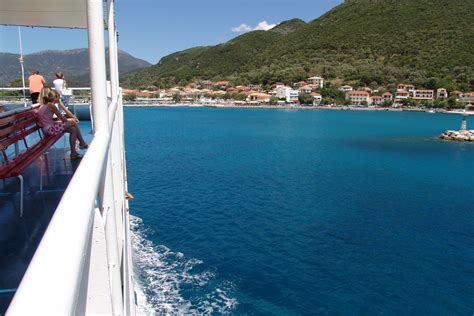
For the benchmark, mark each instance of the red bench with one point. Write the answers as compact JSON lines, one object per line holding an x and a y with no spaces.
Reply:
{"x":17,"y":127}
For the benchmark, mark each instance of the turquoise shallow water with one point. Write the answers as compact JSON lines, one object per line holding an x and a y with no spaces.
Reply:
{"x":288,"y":212}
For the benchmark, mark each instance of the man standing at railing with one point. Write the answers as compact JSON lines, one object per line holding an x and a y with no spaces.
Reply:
{"x":36,"y":83}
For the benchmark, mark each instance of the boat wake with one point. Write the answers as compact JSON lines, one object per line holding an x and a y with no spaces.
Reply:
{"x":170,"y":283}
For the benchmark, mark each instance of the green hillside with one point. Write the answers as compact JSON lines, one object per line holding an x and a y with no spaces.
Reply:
{"x":426,"y":42}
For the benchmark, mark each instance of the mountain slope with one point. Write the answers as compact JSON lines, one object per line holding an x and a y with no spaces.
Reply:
{"x":74,"y":63}
{"x":368,"y":41}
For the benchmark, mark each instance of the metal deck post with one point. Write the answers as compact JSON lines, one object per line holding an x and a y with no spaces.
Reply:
{"x":95,"y":19}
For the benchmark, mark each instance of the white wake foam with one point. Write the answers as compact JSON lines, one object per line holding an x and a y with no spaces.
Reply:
{"x":164,"y":277}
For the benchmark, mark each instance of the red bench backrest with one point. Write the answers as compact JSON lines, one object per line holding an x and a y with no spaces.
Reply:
{"x":16,"y":128}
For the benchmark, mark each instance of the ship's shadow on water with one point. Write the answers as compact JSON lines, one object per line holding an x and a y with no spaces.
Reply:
{"x":170,"y":283}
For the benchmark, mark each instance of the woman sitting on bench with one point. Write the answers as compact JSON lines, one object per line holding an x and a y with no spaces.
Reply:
{"x":47,"y":99}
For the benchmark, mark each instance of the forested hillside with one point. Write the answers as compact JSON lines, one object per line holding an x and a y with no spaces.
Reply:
{"x":426,"y":42}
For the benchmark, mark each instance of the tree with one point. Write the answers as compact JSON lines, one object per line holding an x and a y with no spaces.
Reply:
{"x":17,"y":83}
{"x":273,"y":101}
{"x":130,"y":97}
{"x":452,"y":102}
{"x":373,"y":85}
{"x":439,"y":104}
{"x":240,"y":97}
{"x":305,"y":98}
{"x":387,"y":103}
{"x":428,"y":104}
{"x":176,"y":97}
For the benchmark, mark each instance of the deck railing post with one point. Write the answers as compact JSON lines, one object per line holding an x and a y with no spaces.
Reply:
{"x":112,"y":36}
{"x":97,"y":61}
{"x":95,"y":20}
{"x":115,"y":146}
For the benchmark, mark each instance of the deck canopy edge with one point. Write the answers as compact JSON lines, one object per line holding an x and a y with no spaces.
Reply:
{"x":44,"y":13}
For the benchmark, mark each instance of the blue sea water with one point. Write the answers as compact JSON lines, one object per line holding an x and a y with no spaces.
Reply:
{"x":296,"y":212}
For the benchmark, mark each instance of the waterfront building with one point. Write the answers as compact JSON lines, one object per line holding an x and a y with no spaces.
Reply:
{"x":376,"y":100}
{"x":345,"y":88}
{"x":458,"y":94}
{"x":358,"y":97}
{"x":318,"y":81}
{"x":387,"y":96}
{"x":317,"y":98}
{"x":259,"y":97}
{"x":300,"y":84}
{"x":243,"y":88}
{"x":221,"y":84}
{"x":406,"y":87}
{"x":206,"y":84}
{"x":423,"y":94}
{"x":138,"y":93}
{"x":277,"y":85}
{"x":290,"y":95}
{"x":305,"y":89}
{"x":467,"y":97}
{"x":441,"y":93}
{"x":255,"y":87}
{"x":402,"y":94}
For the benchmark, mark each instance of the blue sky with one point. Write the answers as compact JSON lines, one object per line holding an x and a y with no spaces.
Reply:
{"x":151,"y":29}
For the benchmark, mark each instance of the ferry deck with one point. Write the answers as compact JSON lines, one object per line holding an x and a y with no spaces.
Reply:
{"x":21,"y":235}
{"x":69,"y":253}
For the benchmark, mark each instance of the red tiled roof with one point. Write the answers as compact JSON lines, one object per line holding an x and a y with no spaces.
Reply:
{"x":221,"y":83}
{"x":358,"y":92}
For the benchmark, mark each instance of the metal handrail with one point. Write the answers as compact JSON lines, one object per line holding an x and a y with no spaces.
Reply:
{"x":57,"y":281}
{"x":68,"y":237}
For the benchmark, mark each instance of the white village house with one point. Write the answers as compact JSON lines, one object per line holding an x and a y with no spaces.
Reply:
{"x":423,"y":94}
{"x":345,"y":88}
{"x":318,"y":82}
{"x":358,"y":97}
{"x":317,"y":98}
{"x":290,"y":95}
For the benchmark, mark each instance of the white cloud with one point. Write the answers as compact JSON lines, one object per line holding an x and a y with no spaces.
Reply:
{"x":264,"y":26}
{"x":242,"y":28}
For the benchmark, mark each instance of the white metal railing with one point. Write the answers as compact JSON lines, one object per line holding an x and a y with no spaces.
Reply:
{"x":57,"y":279}
{"x":26,"y":99}
{"x":60,"y":260}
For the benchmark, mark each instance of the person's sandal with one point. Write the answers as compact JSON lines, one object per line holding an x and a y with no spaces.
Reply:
{"x":85,"y":146}
{"x":75,"y":156}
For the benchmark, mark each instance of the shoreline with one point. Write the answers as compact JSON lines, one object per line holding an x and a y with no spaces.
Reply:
{"x":289,"y":107}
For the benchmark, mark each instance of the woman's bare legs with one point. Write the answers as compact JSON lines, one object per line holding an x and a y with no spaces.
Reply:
{"x":82,"y":142}
{"x":74,"y":134}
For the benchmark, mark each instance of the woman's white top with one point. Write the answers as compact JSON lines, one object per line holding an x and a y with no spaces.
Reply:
{"x":59,"y":85}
